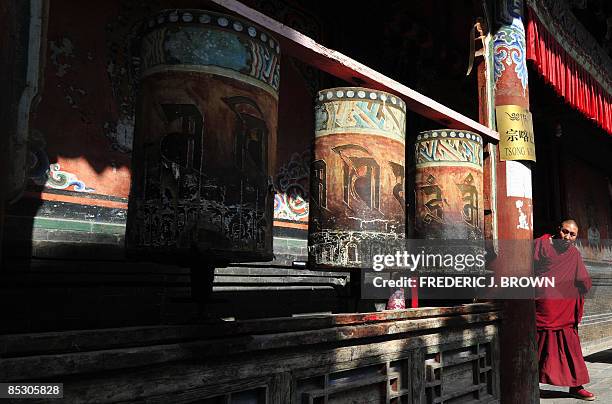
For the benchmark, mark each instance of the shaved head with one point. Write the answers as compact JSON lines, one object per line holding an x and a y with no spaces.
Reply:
{"x":570,"y":222}
{"x":568,"y":231}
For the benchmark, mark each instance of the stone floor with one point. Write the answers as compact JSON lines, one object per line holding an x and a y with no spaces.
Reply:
{"x":600,"y":371}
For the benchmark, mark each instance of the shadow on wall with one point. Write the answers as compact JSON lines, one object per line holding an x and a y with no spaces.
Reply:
{"x":76,"y":165}
{"x":64,"y":261}
{"x":63,"y":232}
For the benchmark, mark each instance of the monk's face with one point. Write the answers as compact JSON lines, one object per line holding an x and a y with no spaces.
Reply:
{"x":567,"y":235}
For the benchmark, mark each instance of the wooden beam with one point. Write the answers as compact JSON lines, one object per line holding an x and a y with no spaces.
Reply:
{"x":55,"y":365}
{"x":335,"y":63}
{"x":16,"y":345}
{"x":168,"y":381}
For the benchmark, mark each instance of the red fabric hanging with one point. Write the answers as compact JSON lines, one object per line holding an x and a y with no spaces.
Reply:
{"x":569,"y":79}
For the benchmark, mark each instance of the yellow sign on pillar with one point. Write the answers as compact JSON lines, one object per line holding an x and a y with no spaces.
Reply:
{"x":515,"y":129}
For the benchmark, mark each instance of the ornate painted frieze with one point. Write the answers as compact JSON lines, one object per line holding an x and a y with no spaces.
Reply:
{"x":197,"y":40}
{"x":291,"y":186}
{"x":560,"y":22}
{"x":449,"y":146}
{"x":41,"y":172}
{"x":509,"y":45}
{"x":360,"y":111}
{"x":55,"y":178}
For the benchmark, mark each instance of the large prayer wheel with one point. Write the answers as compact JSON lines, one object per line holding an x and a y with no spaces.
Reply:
{"x":357,"y":203}
{"x":449,"y":185}
{"x":205,"y":139}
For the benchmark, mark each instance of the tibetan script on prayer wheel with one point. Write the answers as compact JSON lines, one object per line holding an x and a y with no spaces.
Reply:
{"x":449,"y":187}
{"x":357,"y":179}
{"x":449,"y":196}
{"x":205,"y":135}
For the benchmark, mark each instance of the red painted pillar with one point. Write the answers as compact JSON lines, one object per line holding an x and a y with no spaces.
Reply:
{"x":519,"y":367}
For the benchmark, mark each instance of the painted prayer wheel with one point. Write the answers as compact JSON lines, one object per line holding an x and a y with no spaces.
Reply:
{"x":357,"y":203}
{"x":449,"y":185}
{"x":205,"y":139}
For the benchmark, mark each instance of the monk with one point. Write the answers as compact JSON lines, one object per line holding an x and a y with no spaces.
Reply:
{"x":559,"y":311}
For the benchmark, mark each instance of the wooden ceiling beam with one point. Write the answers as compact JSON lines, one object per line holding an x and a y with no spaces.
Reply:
{"x":335,"y":63}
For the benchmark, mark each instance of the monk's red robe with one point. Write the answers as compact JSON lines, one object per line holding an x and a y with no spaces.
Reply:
{"x":558,"y":313}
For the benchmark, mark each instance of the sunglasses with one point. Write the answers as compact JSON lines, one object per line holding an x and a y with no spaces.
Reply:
{"x":571,"y":233}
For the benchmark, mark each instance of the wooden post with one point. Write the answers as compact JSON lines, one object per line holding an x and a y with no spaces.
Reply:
{"x":202,"y":276}
{"x":513,"y":214}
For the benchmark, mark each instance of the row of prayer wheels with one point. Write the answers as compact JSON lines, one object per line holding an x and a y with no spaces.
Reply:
{"x":204,"y":151}
{"x":358,"y":175}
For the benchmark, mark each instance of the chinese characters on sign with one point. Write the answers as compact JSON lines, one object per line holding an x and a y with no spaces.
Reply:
{"x":515,"y":129}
